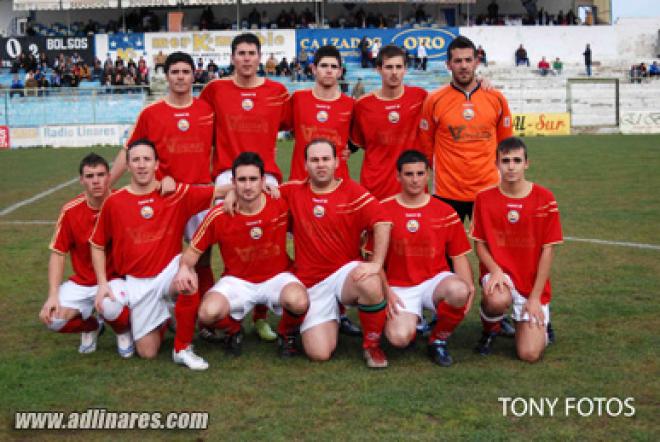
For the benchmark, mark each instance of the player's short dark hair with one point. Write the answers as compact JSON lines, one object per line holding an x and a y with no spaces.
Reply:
{"x":509,"y":144}
{"x":246,"y":37}
{"x":327,"y":51}
{"x":248,"y":159}
{"x":389,"y":51}
{"x":320,"y":141}
{"x":411,"y":156}
{"x":461,"y":42}
{"x":92,"y":160}
{"x":140,"y":142}
{"x":177,"y":57}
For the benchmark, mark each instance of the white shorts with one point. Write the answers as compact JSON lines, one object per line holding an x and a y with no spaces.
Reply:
{"x":324,"y":296}
{"x":192,"y":224}
{"x":147,"y":298}
{"x":418,"y":297}
{"x":78,"y":297}
{"x":519,"y":302}
{"x":226,"y":176}
{"x":244,"y":295}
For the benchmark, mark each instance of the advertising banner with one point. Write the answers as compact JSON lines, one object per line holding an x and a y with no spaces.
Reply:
{"x":70,"y":136}
{"x":640,"y":122}
{"x":126,"y":46}
{"x":11,"y":48}
{"x":4,"y":137}
{"x":216,"y":45}
{"x":435,"y":40}
{"x":529,"y":125}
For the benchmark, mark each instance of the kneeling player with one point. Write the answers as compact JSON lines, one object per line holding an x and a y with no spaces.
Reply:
{"x":515,"y":227}
{"x":69,"y":306}
{"x":424,"y":230}
{"x":253,"y":248}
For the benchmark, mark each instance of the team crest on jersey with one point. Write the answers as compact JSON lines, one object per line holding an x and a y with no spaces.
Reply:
{"x":412,"y":225}
{"x":468,"y":113}
{"x":423,"y":124}
{"x":256,"y":232}
{"x":319,"y":211}
{"x":393,"y":117}
{"x":513,"y":216}
{"x":147,"y":212}
{"x":247,"y":104}
{"x":322,"y":116}
{"x":183,"y":125}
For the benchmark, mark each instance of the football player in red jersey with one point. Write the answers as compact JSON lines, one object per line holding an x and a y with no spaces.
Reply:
{"x":424,"y":229}
{"x":329,"y":216}
{"x":257,"y":267}
{"x":69,"y":306}
{"x":515,"y":228}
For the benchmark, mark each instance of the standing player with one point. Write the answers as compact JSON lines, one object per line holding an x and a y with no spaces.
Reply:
{"x":385,"y":123}
{"x":515,"y":228}
{"x":460,"y":127}
{"x":144,"y":229}
{"x":424,"y":229}
{"x":253,"y":248}
{"x":69,"y":306}
{"x":329,"y":216}
{"x":320,"y":112}
{"x":181,"y":128}
{"x":249,"y":111}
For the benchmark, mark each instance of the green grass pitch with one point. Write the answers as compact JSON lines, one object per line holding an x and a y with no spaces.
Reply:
{"x":605,"y":313}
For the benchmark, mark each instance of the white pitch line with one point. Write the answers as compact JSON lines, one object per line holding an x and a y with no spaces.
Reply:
{"x":635,"y":245}
{"x":28,"y":222}
{"x":36,"y":197}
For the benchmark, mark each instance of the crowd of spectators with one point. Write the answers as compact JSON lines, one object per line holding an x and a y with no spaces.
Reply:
{"x":120,"y":73}
{"x":640,"y":72}
{"x":533,"y":16}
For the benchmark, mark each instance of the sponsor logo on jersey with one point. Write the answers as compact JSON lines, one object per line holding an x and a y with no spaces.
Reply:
{"x":319,"y":211}
{"x":322,"y":116}
{"x":183,"y":125}
{"x":247,"y":104}
{"x":256,"y":232}
{"x":468,"y":113}
{"x":513,"y":216}
{"x":412,"y":225}
{"x":147,"y":212}
{"x":423,"y":124}
{"x":393,"y":117}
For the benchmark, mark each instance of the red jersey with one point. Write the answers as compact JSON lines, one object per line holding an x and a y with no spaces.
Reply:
{"x":515,"y":231}
{"x":384,"y":128}
{"x":253,"y":247}
{"x":420,"y":238}
{"x":145,"y":230}
{"x":310,"y":117}
{"x":246,"y":119}
{"x":183,"y":137}
{"x":327,"y":227}
{"x":72,"y":232}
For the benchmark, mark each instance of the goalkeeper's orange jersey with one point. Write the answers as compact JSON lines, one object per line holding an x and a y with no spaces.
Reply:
{"x":459,"y":133}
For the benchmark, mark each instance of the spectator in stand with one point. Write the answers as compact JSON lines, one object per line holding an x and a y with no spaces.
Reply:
{"x":97,"y":71}
{"x":159,"y":60}
{"x":271,"y":65}
{"x":212,"y":67}
{"x":587,"y":60}
{"x":521,"y":56}
{"x":493,"y":11}
{"x":557,"y":66}
{"x":143,"y":72}
{"x":363,"y":46}
{"x":283,"y":68}
{"x":55,"y":79}
{"x":654,"y":69}
{"x":16,"y":86}
{"x":358,"y":89}
{"x":200,"y":73}
{"x":643,"y":69}
{"x":303,"y":58}
{"x":481,"y":55}
{"x":544,"y":67}
{"x":296,"y":71}
{"x":422,"y":56}
{"x":254,"y":19}
{"x":31,"y":84}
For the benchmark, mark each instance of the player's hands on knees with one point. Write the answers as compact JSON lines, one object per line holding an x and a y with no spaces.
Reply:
{"x":497,"y":282}
{"x":271,"y":190}
{"x":167,"y":185}
{"x":533,"y":308}
{"x":50,"y":309}
{"x":185,"y":281}
{"x":470,"y":299}
{"x":365,"y":270}
{"x":104,"y":291}
{"x":230,"y":204}
{"x":393,"y":303}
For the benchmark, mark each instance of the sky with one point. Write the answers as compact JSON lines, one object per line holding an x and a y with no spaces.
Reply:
{"x":635,"y":8}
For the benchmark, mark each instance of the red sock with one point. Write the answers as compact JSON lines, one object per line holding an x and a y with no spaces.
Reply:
{"x":260,"y":312}
{"x":185,"y":312}
{"x":490,"y":324}
{"x":204,"y":278}
{"x":448,"y":319}
{"x":372,"y":319}
{"x":229,"y":325}
{"x":342,"y":309}
{"x":290,"y":322}
{"x":79,"y":325}
{"x":122,"y":323}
